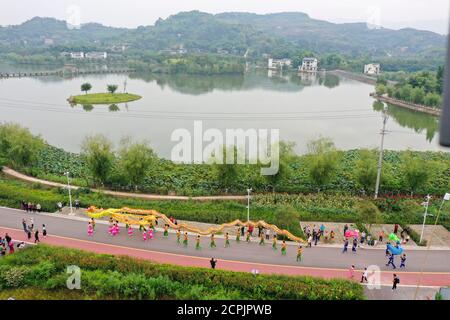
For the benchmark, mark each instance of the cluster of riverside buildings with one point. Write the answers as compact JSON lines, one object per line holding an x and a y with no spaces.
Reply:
{"x":311,"y":65}
{"x":308,"y":64}
{"x":89,"y":55}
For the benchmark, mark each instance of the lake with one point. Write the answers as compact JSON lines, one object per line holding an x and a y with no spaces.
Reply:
{"x":301,"y":107}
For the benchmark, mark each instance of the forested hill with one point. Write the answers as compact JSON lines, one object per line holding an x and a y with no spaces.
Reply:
{"x":280,"y":34}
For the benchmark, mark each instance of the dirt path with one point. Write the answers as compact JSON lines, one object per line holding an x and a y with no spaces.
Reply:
{"x":12,"y":173}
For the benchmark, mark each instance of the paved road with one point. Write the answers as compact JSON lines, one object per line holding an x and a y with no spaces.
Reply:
{"x":325,"y":262}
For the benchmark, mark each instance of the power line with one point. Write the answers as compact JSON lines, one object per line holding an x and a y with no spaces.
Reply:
{"x":24,"y":102}
{"x":250,"y":117}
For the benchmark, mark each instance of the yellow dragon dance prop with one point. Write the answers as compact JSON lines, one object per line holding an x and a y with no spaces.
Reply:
{"x":148,"y":217}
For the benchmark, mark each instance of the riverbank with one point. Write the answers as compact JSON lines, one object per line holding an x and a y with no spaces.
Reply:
{"x":357,"y":76}
{"x":408,"y":105}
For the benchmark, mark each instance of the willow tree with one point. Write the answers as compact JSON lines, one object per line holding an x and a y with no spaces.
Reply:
{"x":323,"y":161}
{"x":134,"y":161}
{"x":98,"y":153}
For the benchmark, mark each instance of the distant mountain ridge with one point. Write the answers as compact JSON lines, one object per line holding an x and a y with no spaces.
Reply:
{"x":231,"y":33}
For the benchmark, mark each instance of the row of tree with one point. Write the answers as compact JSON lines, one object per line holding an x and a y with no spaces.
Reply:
{"x":421,"y":88}
{"x":86,"y":87}
{"x":129,"y":165}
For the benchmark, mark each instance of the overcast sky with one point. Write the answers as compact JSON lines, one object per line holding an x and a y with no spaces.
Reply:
{"x":422,"y":14}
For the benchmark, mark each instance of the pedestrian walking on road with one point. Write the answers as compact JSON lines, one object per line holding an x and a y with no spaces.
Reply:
{"x":44,"y":231}
{"x":355,"y":244}
{"x":178,"y":236}
{"x":395,"y":282}
{"x":364,"y":276}
{"x":36,"y":236}
{"x":403,"y":261}
{"x":238,"y":236}
{"x":351,"y":272}
{"x":391,"y":261}
{"x":24,"y":226}
{"x":345,"y":246}
{"x":213,"y":263}
{"x":310,"y":239}
{"x":166,"y":231}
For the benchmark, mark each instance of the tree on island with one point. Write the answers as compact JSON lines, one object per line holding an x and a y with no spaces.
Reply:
{"x":86,"y":87}
{"x":112,"y":88}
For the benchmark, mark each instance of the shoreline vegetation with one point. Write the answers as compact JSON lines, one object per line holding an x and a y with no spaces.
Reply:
{"x":103,"y":98}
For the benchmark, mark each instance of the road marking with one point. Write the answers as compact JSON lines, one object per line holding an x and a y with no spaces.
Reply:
{"x":225,"y":260}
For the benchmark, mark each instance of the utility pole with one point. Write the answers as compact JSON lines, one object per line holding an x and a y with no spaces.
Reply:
{"x":125,"y":86}
{"x":248,"y":204}
{"x":425,"y":215}
{"x":70,"y":194}
{"x":380,"y":159}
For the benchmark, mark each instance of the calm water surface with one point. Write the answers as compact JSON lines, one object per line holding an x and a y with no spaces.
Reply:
{"x":303,"y":108}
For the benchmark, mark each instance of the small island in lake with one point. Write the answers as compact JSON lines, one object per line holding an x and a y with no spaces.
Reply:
{"x":111,"y":97}
{"x":103,"y":98}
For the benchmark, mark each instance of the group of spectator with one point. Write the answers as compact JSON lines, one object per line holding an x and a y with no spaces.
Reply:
{"x":7,"y":245}
{"x":30,"y":207}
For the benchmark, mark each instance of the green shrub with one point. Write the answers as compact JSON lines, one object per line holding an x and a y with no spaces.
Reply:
{"x":105,"y":276}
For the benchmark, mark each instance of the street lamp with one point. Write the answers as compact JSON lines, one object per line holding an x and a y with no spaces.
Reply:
{"x":426,"y":204}
{"x":248,"y":204}
{"x":70,"y":194}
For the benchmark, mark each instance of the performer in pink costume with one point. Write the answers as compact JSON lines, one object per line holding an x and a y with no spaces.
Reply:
{"x":144,"y":236}
{"x":115,"y":230}
{"x":90,"y":230}
{"x":150,"y":234}
{"x":130,"y":231}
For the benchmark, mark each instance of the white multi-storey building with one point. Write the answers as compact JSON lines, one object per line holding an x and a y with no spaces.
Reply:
{"x":96,"y":55}
{"x":77,"y":55}
{"x":309,"y":65}
{"x":372,"y":69}
{"x":278,"y":63}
